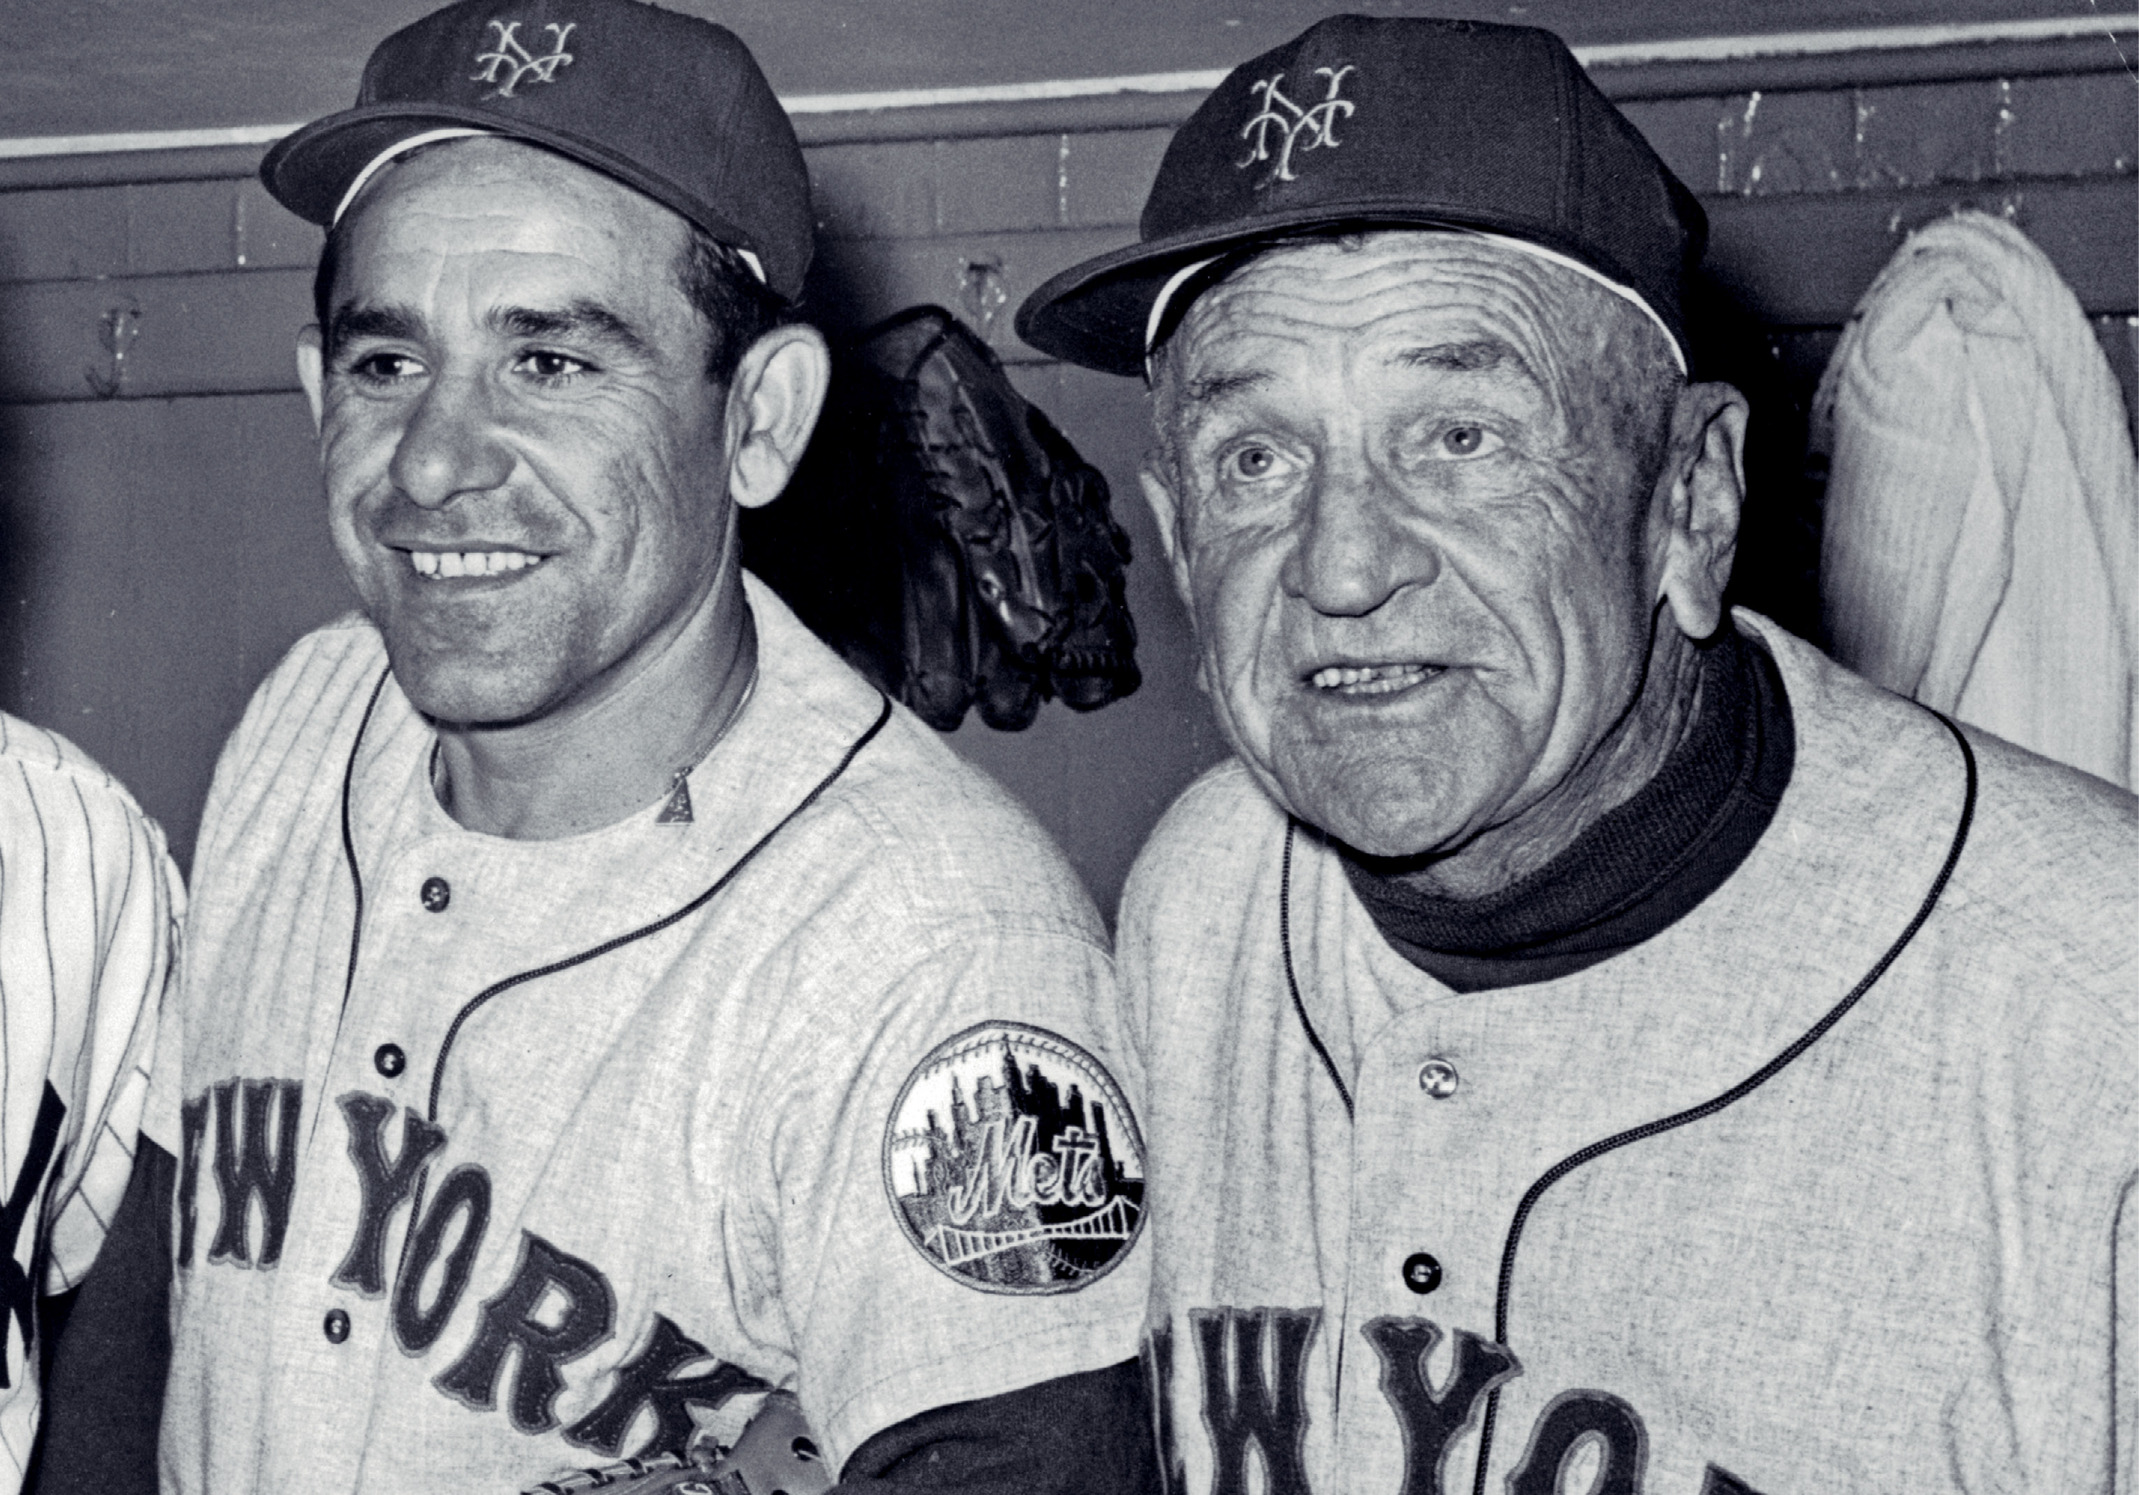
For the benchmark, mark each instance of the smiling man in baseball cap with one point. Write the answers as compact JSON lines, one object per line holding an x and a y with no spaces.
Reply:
{"x":1605,"y":1044}
{"x":601,"y":1007}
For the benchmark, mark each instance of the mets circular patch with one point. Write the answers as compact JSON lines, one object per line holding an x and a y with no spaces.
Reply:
{"x":1013,"y":1162}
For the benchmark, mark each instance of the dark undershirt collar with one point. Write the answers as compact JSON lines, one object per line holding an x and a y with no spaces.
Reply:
{"x":1641,"y":867}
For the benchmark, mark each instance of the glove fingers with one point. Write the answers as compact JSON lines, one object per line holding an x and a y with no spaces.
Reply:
{"x":940,"y":642}
{"x":1009,"y":697}
{"x":1093,"y":660}
{"x":964,"y":554}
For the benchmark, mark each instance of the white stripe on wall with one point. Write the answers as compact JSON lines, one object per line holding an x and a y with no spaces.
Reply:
{"x":1621,"y":54}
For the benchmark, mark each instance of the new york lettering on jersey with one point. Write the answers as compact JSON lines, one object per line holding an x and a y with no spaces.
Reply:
{"x":1246,"y":1389}
{"x":526,"y":1191}
{"x":239,"y":1169}
{"x":1673,"y":1322}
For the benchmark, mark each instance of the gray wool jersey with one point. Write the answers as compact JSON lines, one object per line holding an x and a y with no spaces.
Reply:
{"x":587,"y":1143}
{"x":1891,"y":1264}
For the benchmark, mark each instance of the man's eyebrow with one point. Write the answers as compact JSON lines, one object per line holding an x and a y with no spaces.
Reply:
{"x":1461,"y":358}
{"x":1207,"y":387}
{"x":578,"y":319}
{"x":353,"y":321}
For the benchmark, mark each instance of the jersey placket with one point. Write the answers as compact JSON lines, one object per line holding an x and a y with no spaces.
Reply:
{"x":1461,"y":1103}
{"x":334,"y":1313}
{"x":1430,"y":1179}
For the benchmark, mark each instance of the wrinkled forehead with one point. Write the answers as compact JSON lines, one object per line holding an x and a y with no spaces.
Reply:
{"x":504,"y":194}
{"x":1386,"y":321}
{"x":1375,"y":295}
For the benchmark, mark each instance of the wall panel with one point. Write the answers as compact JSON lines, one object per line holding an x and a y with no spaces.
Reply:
{"x":160,"y":535}
{"x":156,"y":558}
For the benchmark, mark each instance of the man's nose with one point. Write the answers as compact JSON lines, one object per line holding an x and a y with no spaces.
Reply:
{"x":1354,"y":551}
{"x":449,"y":445}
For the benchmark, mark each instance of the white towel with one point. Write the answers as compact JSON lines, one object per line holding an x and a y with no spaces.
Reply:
{"x":1982,"y":516}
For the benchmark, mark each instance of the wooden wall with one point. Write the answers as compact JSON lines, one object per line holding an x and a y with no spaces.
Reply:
{"x":161,"y":539}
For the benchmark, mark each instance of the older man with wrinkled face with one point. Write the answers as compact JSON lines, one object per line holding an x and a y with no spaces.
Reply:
{"x":1602,"y":1040}
{"x":1422,"y":486}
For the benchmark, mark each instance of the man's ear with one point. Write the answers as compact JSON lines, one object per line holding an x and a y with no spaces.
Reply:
{"x":773,"y":401}
{"x":1700,"y":495}
{"x":1155,"y":477}
{"x":311,"y":370}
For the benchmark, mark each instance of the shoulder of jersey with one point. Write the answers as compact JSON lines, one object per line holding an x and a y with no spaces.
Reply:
{"x":328,"y":663}
{"x":927,"y":837}
{"x":40,"y":754}
{"x":1216,"y":832}
{"x":315,"y":692}
{"x":347,"y":642}
{"x":2054,"y":820}
{"x":2050,"y":867}
{"x":949,"y":841}
{"x":2045,"y":881}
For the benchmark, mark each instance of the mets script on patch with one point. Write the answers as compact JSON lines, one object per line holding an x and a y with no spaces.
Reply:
{"x":1013,"y":1162}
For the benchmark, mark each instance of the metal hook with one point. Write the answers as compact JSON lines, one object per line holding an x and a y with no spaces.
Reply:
{"x":982,"y":294}
{"x":117,"y":329}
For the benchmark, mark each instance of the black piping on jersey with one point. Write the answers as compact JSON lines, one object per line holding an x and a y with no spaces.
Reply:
{"x":1284,"y":939}
{"x":356,"y":878}
{"x":1649,"y":1129}
{"x":499,"y":988}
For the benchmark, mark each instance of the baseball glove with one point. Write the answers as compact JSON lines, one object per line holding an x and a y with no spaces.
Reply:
{"x":775,"y":1455}
{"x":946,"y":539}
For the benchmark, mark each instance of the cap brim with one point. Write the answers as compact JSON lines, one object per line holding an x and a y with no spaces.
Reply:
{"x":309,"y":170}
{"x":1094,"y":314}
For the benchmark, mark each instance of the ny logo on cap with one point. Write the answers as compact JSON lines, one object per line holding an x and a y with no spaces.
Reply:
{"x":1318,"y":122}
{"x":513,"y":62}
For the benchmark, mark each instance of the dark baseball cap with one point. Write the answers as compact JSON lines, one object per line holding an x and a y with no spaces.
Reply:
{"x":1391,"y":122}
{"x":668,"y":104}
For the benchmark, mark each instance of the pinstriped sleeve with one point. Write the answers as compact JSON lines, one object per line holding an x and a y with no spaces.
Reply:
{"x":89,"y":909}
{"x":89,"y":903}
{"x":135,"y":959}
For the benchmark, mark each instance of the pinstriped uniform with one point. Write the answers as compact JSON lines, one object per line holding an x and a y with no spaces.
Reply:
{"x":89,"y":904}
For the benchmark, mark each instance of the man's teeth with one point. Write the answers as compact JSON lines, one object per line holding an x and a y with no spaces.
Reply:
{"x":471,"y":562}
{"x":1372,"y":679}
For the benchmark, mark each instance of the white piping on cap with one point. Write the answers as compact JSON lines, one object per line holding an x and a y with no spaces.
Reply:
{"x":380,"y":162}
{"x":1158,"y":307}
{"x":1624,"y":293}
{"x":399,"y":148}
{"x":1180,"y":277}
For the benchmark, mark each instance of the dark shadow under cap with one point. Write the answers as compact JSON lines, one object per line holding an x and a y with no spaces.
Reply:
{"x":670,"y":105}
{"x":1390,"y":122}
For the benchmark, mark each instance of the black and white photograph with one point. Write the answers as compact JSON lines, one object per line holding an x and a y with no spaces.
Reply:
{"x":1155,"y":747}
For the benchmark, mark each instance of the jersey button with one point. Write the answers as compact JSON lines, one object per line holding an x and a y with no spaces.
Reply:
{"x":1422,"y":1274}
{"x":389,"y":1060}
{"x":437,"y":893}
{"x":336,"y":1326}
{"x":1438,"y":1078}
